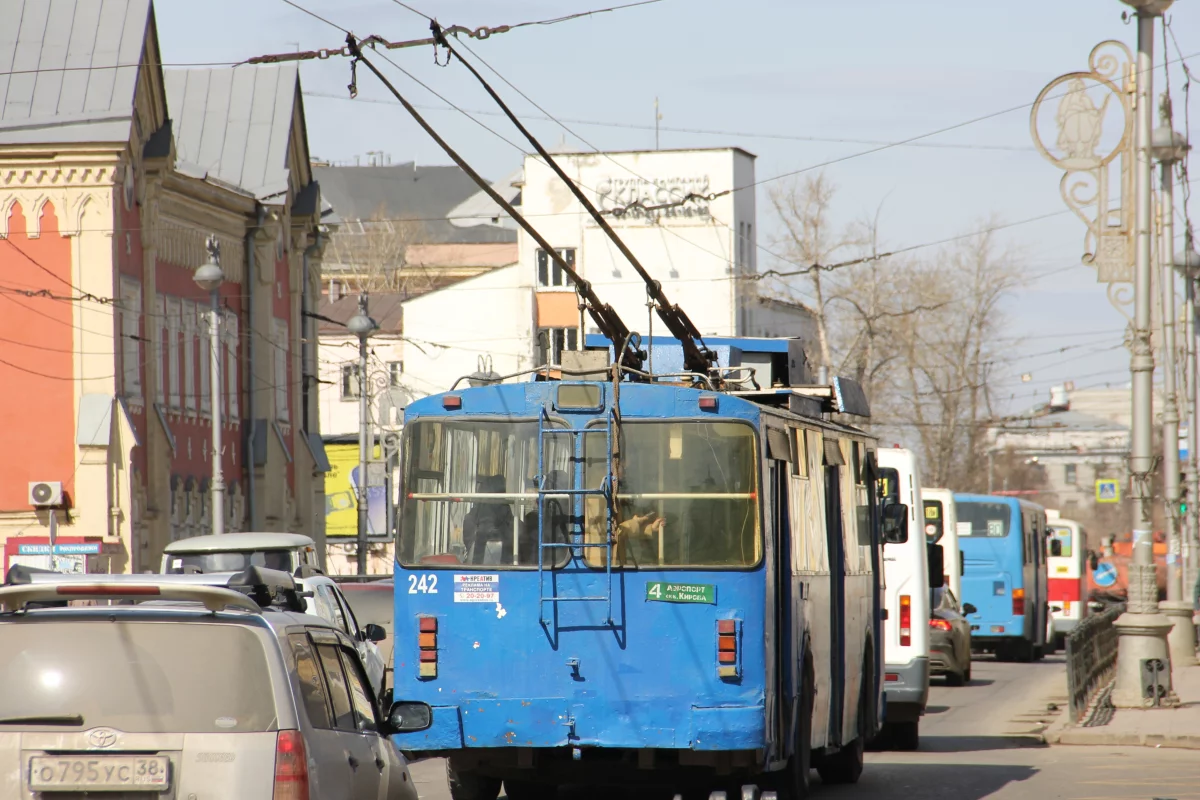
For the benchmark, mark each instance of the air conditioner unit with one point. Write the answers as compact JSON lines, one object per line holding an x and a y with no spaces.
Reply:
{"x":45,"y":493}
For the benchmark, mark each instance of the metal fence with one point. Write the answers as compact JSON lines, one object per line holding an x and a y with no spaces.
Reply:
{"x":1091,"y":658}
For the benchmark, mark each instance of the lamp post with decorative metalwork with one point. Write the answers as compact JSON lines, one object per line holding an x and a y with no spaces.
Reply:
{"x":209,"y":277}
{"x":362,"y":326}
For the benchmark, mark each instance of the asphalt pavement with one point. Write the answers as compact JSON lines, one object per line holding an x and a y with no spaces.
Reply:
{"x":985,"y":741}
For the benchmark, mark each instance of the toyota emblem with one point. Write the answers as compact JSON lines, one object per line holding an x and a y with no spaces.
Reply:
{"x":102,"y":737}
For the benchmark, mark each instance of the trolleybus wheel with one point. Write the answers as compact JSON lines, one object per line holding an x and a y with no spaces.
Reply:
{"x":466,"y":785}
{"x":529,"y":790}
{"x":800,"y":764}
{"x":846,"y":765}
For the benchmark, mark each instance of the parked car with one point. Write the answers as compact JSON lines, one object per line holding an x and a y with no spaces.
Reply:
{"x":374,"y":603}
{"x":224,"y":691}
{"x":231,"y":552}
{"x":329,"y":602}
{"x":949,"y":637}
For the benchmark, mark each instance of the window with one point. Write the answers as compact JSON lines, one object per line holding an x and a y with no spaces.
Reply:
{"x":1071,"y":476}
{"x":339,"y":691}
{"x":985,"y":519}
{"x":395,"y":371}
{"x":750,"y":246}
{"x":553,"y":341}
{"x":550,"y":274}
{"x":189,"y":355}
{"x":229,"y":335}
{"x":173,"y":341}
{"x":204,"y":325}
{"x":312,"y":685}
{"x":1063,"y":537}
{"x":279,"y":337}
{"x":360,"y":693}
{"x":350,"y":384}
{"x":688,"y":495}
{"x":160,"y":349}
{"x":741,"y":246}
{"x":331,"y":609}
{"x":800,"y":453}
{"x":131,"y":346}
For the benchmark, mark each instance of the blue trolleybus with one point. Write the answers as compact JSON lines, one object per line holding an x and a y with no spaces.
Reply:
{"x":639,"y":582}
{"x":1003,"y":541}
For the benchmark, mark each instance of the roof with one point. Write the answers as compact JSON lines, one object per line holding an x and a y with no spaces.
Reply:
{"x":229,"y":542}
{"x":386,"y":309}
{"x":70,"y":69}
{"x":406,"y":191}
{"x":481,"y":209}
{"x":234,"y":124}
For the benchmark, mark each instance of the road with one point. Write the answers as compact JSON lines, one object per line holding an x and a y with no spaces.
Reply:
{"x":977,"y":742}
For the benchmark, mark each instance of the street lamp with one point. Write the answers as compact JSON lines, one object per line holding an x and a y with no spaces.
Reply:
{"x":209,"y":277}
{"x":1188,"y":263}
{"x":362,"y":326}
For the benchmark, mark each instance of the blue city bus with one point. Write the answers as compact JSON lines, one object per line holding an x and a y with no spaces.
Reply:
{"x":639,"y":582}
{"x":1003,"y":541}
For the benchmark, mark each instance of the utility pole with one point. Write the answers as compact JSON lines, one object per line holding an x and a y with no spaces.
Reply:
{"x":209,"y":277}
{"x":1188,"y":263}
{"x":362,"y":326}
{"x":1169,"y":149}
{"x":1142,"y":630}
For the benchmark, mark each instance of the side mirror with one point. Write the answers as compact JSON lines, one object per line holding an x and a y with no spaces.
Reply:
{"x":1055,"y":547}
{"x":937,"y":566}
{"x":409,"y":717}
{"x":962,"y":563}
{"x":375,"y":633}
{"x":1093,"y":561}
{"x":895,"y":523}
{"x":969,"y":609}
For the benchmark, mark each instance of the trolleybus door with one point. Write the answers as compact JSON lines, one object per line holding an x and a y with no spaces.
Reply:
{"x":837,"y":588}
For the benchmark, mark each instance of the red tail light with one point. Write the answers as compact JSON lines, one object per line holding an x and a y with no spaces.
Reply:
{"x":427,"y":628}
{"x":1018,"y":600}
{"x":291,"y":767}
{"x":727,"y":648}
{"x":905,"y":621}
{"x":939,"y":624}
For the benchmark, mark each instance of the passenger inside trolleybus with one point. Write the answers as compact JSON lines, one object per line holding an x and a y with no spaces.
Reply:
{"x":487,"y":527}
{"x":555,"y":528}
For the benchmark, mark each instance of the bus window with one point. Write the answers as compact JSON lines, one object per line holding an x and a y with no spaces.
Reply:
{"x":989,"y":520}
{"x":934,"y":521}
{"x":1063,"y":537}
{"x":699,"y":509}
{"x":889,"y":486}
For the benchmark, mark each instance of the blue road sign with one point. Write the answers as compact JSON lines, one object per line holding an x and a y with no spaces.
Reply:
{"x":1105,"y":574}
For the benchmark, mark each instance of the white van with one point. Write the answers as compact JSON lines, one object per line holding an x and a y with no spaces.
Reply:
{"x":906,"y":597}
{"x":233,"y":552}
{"x":941,"y":528}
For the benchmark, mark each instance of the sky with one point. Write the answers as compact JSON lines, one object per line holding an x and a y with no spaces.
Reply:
{"x":779,"y":79}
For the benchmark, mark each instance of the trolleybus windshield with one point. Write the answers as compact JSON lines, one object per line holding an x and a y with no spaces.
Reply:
{"x":471,"y":494}
{"x":984,"y":519}
{"x":686,"y":495}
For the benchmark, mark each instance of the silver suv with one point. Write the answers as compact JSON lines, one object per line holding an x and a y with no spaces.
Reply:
{"x":162,"y":686}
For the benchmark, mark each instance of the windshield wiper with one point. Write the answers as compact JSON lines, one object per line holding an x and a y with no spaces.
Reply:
{"x":47,"y":719}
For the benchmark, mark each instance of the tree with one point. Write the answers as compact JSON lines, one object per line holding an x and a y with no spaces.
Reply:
{"x":371,"y":256}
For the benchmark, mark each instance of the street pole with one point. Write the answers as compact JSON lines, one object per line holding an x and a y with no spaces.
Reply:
{"x":362,"y":326}
{"x":1188,"y":262}
{"x":1169,"y":149}
{"x":209,"y":277}
{"x":1142,"y":630}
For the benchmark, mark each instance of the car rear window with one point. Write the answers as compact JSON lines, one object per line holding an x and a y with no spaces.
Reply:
{"x":145,"y":677}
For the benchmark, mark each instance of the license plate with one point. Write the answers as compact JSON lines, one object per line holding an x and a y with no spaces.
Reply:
{"x":72,"y":773}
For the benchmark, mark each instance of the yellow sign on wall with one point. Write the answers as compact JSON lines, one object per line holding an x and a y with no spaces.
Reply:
{"x":341,"y":495}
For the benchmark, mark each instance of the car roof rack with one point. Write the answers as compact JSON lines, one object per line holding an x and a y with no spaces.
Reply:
{"x":253,"y":589}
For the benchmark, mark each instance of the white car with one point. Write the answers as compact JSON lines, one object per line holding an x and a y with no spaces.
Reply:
{"x":328,"y":603}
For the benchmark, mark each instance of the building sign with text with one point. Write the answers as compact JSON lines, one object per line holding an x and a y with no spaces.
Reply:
{"x":638,"y":201}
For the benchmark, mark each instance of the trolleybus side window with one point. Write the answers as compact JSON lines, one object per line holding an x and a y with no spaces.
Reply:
{"x":687,"y":495}
{"x":471,"y":494}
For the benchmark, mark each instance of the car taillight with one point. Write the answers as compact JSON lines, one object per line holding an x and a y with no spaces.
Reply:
{"x":727,"y":648}
{"x":905,"y":620}
{"x":291,"y":767}
{"x":1018,"y":600}
{"x":427,"y":630}
{"x":939,"y":624}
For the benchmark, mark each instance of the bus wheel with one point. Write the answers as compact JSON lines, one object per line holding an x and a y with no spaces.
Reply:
{"x":800,"y":764}
{"x":465,"y":785}
{"x":846,"y":765}
{"x":528,"y":790}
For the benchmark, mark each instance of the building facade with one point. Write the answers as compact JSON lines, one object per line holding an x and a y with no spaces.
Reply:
{"x":105,"y":211}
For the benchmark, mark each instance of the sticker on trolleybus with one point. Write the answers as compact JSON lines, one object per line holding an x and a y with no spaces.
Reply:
{"x":681,"y":592}
{"x":477,"y":588}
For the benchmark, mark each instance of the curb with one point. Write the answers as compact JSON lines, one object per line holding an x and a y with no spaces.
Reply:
{"x":1098,"y":736}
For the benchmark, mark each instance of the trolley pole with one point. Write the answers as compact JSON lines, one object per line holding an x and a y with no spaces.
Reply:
{"x":1142,"y":630}
{"x":1169,"y":148}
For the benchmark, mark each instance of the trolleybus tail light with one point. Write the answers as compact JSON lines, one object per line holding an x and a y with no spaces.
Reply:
{"x":905,"y":621}
{"x":291,"y":767}
{"x":451,"y":401}
{"x":427,"y":628}
{"x":708,"y":402}
{"x":728,"y":653}
{"x":1018,"y":600}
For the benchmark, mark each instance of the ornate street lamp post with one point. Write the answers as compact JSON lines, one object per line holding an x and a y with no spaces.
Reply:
{"x":209,"y":277}
{"x":362,"y":326}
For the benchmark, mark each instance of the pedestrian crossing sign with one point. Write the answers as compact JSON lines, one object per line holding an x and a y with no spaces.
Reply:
{"x":1108,"y":491}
